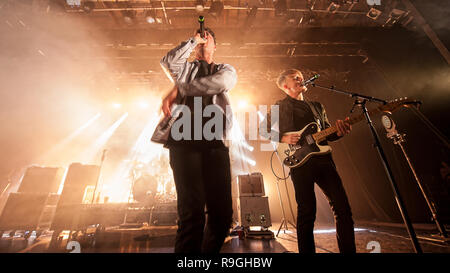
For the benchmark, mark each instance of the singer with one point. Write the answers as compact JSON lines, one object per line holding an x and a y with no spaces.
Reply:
{"x":294,"y":114}
{"x":201,"y":166}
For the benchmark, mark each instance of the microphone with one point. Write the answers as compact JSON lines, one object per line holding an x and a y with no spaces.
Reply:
{"x":311,"y":80}
{"x":201,"y":21}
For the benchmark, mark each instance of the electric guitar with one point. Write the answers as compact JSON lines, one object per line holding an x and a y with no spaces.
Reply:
{"x":295,"y":155}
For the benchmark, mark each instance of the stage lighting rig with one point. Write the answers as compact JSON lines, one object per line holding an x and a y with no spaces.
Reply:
{"x":333,"y":7}
{"x":200,"y":5}
{"x":397,"y":16}
{"x":88,"y":7}
{"x":216,"y":8}
{"x":373,"y":13}
{"x":129,"y":16}
{"x":150,"y":16}
{"x":280,"y":7}
{"x":73,"y":3}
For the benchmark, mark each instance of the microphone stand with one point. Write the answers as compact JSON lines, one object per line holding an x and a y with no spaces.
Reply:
{"x":360,"y":100}
{"x":398,"y":140}
{"x":284,"y":221}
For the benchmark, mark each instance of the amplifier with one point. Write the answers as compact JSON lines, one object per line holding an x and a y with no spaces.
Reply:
{"x":254,"y":211}
{"x":41,"y":180}
{"x":250,"y":185}
{"x":22,"y":211}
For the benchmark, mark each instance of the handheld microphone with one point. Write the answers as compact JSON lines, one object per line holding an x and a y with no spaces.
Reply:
{"x":311,"y":80}
{"x":201,"y":21}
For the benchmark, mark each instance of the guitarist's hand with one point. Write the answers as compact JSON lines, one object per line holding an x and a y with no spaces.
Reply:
{"x":290,"y":138}
{"x":343,"y":127}
{"x":168,"y":101}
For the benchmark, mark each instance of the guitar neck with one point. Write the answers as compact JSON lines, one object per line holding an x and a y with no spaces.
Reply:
{"x":322,"y":135}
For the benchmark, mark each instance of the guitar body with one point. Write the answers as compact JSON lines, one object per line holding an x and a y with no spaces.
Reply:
{"x":295,"y":155}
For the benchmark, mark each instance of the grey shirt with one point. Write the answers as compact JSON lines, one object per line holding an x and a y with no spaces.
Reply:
{"x":183,"y":74}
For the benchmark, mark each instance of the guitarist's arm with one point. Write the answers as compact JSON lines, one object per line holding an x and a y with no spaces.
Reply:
{"x":342,"y":126}
{"x":266,"y":131}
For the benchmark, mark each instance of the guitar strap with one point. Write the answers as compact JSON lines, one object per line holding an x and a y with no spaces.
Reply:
{"x":316,"y":114}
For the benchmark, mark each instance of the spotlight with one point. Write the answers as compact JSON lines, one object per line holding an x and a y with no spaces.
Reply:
{"x":216,"y":8}
{"x":251,"y":162}
{"x":143,"y":105}
{"x":88,"y":6}
{"x":199,"y":5}
{"x":128,"y":17}
{"x":247,"y":146}
{"x":73,"y":3}
{"x":150,"y":16}
{"x":248,"y":160}
{"x":252,"y":12}
{"x":373,"y":13}
{"x":242,"y":104}
{"x":333,"y":7}
{"x":116,"y":105}
{"x":280,"y":7}
{"x":397,"y":16}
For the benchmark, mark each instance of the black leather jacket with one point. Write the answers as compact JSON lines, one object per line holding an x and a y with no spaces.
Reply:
{"x":286,"y":120}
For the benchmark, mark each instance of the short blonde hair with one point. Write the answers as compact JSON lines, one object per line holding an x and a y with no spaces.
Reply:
{"x":282,"y":77}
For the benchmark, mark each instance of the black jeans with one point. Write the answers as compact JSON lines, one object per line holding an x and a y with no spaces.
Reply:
{"x":202,"y":178}
{"x":321,"y":169}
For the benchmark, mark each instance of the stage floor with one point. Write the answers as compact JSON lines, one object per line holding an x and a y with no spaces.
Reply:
{"x":370,"y":236}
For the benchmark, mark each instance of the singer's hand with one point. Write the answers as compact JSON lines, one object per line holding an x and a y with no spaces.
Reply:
{"x":168,"y":101}
{"x":343,"y":127}
{"x":199,"y":38}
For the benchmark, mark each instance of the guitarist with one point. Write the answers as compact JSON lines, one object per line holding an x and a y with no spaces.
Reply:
{"x":294,"y":114}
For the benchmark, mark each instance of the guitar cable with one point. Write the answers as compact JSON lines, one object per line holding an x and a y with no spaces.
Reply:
{"x":273,"y":171}
{"x":285,"y":184}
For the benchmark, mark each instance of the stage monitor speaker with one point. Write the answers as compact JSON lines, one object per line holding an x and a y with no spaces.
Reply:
{"x":41,"y":180}
{"x":104,"y":214}
{"x":164,"y":214}
{"x":23,"y":211}
{"x":250,"y":185}
{"x":254,"y":211}
{"x":79,"y":177}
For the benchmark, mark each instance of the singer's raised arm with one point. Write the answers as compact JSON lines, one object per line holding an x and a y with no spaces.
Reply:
{"x":176,"y":59}
{"x":221,"y":81}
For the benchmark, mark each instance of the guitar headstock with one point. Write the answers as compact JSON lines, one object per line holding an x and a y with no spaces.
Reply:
{"x":397,"y":103}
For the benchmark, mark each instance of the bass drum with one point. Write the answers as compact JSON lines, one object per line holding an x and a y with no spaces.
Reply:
{"x":145,"y":189}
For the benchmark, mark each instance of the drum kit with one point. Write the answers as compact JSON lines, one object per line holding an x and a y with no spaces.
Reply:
{"x":153,"y":182}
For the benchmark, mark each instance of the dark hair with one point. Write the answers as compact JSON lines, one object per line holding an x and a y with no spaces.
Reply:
{"x":210,"y":32}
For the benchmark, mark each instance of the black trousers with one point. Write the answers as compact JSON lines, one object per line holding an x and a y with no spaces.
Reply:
{"x":321,"y":170}
{"x":202,"y":179}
